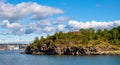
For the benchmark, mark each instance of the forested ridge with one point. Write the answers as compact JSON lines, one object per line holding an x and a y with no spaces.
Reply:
{"x":82,"y":42}
{"x":82,"y":37}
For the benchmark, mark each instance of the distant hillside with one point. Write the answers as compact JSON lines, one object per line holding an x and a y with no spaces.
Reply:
{"x":84,"y":40}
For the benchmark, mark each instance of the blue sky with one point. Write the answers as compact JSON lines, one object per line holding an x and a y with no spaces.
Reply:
{"x":22,"y":20}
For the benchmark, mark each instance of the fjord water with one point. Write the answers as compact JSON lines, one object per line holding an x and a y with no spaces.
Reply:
{"x":14,"y":58}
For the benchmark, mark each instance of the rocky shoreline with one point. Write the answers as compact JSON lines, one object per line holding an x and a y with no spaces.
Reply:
{"x":72,"y":50}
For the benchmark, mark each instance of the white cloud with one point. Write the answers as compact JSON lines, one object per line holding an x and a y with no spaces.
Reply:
{"x":49,"y":29}
{"x":19,"y":11}
{"x":93,"y":24}
{"x":12,"y":28}
{"x":7,"y":24}
{"x":30,"y":28}
{"x":44,"y":22}
{"x":61,"y":20}
{"x":61,"y":27}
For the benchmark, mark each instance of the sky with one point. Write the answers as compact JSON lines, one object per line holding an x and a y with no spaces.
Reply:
{"x":23,"y":20}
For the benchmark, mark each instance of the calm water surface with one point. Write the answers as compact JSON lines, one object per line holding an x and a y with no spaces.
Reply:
{"x":14,"y":58}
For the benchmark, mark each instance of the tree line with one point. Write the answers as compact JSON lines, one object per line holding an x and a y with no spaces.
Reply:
{"x":82,"y":37}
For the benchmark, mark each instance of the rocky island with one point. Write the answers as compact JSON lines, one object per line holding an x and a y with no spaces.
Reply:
{"x":82,"y":42}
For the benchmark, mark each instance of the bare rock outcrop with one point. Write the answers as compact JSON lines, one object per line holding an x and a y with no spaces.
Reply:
{"x":72,"y":50}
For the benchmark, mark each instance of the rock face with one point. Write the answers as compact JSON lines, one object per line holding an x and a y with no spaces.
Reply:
{"x":72,"y":50}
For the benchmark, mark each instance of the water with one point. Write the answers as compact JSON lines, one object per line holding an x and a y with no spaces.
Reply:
{"x":14,"y":58}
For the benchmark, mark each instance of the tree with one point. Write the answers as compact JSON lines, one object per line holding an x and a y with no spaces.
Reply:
{"x":36,"y":40}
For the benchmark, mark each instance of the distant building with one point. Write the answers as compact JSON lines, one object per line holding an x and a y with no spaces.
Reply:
{"x":12,"y":47}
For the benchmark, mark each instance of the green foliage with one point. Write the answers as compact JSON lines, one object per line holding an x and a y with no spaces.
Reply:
{"x":81,"y":37}
{"x":36,"y":40}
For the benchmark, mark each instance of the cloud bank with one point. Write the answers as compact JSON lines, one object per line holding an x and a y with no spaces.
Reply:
{"x":40,"y":28}
{"x":93,"y":24}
